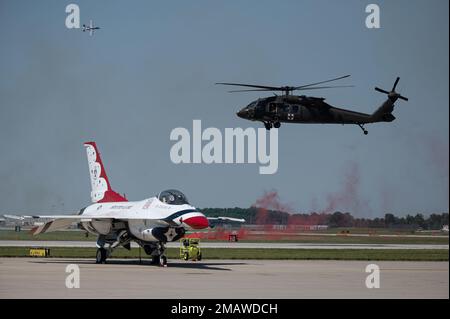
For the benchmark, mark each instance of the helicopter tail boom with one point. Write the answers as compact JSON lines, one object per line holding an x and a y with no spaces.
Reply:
{"x":384,"y":112}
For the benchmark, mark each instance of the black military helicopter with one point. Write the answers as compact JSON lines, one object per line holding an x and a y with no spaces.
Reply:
{"x":288,"y":108}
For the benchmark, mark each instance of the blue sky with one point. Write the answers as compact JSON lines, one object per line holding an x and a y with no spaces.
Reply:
{"x":152,"y":68}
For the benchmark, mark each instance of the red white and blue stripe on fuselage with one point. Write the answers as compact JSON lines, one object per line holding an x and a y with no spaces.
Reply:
{"x":188,"y":217}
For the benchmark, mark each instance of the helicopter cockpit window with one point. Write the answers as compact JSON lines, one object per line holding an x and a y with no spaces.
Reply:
{"x":173,"y":197}
{"x":272,"y":107}
{"x":294,"y":108}
{"x":251,"y":105}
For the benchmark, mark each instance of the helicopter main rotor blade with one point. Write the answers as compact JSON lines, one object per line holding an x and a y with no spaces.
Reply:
{"x":381,"y":90}
{"x":269,"y":88}
{"x":254,"y":90}
{"x":286,"y":89}
{"x":283,"y":89}
{"x":395,"y":84}
{"x":326,"y":87}
{"x":312,"y":84}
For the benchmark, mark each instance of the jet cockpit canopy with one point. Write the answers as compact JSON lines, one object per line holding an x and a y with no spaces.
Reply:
{"x":173,"y":197}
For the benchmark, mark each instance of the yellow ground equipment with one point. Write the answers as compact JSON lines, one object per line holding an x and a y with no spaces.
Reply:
{"x":190,"y":249}
{"x":40,"y":252}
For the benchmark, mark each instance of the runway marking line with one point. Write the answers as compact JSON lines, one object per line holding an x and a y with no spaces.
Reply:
{"x":418,"y":269}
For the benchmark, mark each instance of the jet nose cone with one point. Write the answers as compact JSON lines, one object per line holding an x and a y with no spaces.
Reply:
{"x":197,"y":222}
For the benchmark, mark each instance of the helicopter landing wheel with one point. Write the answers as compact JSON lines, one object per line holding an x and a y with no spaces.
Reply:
{"x":363,"y":129}
{"x":268,"y":125}
{"x":276,"y":125}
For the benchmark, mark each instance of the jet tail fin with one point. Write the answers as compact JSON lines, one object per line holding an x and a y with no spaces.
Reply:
{"x":101,"y":188}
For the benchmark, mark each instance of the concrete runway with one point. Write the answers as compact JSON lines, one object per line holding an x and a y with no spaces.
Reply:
{"x":45,"y":278}
{"x":278,"y":245}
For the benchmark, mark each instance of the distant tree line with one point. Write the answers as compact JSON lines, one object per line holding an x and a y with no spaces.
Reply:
{"x":261,"y":216}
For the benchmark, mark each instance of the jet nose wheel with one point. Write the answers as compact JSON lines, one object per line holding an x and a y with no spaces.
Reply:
{"x":163,"y":261}
{"x":276,"y":125}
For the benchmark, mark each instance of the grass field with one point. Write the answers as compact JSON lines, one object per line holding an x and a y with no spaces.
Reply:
{"x":377,"y":231}
{"x":57,"y":235}
{"x":343,"y":239}
{"x":246,"y":253}
{"x":307,"y":239}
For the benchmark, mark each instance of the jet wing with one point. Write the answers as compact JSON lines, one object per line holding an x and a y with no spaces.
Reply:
{"x":214,"y":221}
{"x":24,"y":217}
{"x":73,"y":217}
{"x":58,"y":222}
{"x":239,"y":220}
{"x":52,"y":225}
{"x":15,"y":217}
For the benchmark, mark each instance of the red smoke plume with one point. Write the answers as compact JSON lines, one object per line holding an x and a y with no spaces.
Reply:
{"x":269,"y":201}
{"x":348,"y":198}
{"x":438,"y":150}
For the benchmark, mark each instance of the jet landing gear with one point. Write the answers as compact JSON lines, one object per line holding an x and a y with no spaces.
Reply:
{"x":100,"y":257}
{"x":159,"y":260}
{"x":157,"y":253}
{"x":105,"y":246}
{"x":363,"y":129}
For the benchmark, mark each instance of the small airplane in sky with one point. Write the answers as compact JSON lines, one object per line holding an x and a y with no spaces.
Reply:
{"x":91,"y":28}
{"x":151,"y":222}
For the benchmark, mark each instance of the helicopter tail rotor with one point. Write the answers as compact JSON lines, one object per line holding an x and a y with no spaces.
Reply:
{"x":384,"y":112}
{"x":393,"y":95}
